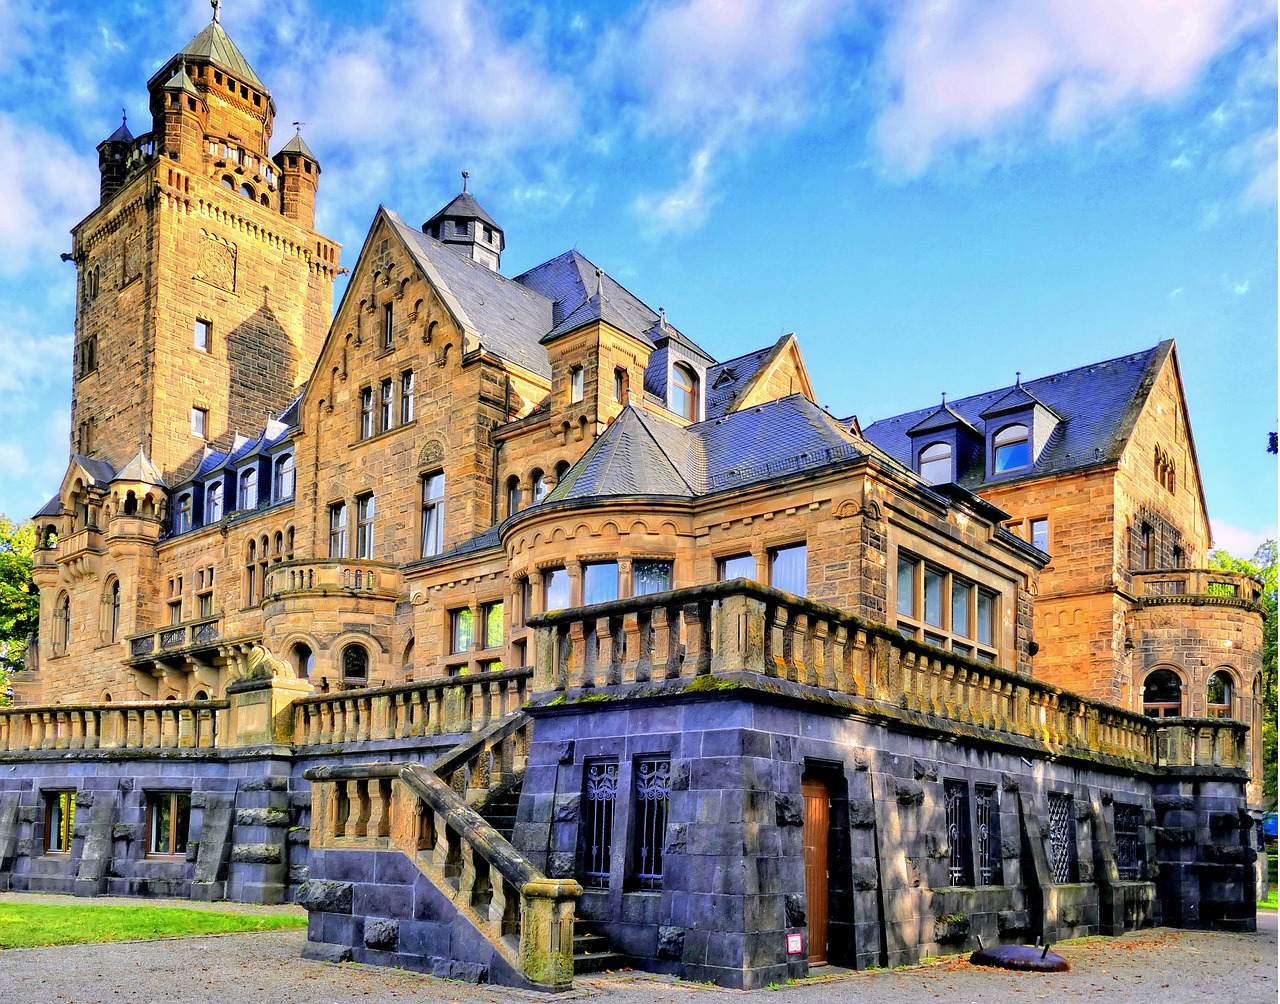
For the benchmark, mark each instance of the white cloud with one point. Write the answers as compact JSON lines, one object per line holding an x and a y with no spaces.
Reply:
{"x":43,"y":195}
{"x":687,"y":204}
{"x":1175,"y":293}
{"x":1238,"y":541}
{"x":965,"y":72}
{"x":1180,"y":162}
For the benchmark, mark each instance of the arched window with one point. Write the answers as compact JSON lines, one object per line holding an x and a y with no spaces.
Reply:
{"x":213,"y":503}
{"x":1219,"y":694}
{"x":111,"y":613}
{"x":304,"y":660}
{"x":200,"y":695}
{"x":247,"y":191}
{"x":248,"y":489}
{"x":279,"y":544}
{"x":284,"y":478}
{"x":1162,"y":694}
{"x":538,"y":484}
{"x":935,"y":463}
{"x":1012,"y":449}
{"x":182,"y":518}
{"x":229,"y":182}
{"x":130,"y":504}
{"x":62,"y":624}
{"x":406,"y":662}
{"x":355,"y":666}
{"x":562,"y":469}
{"x":513,"y":495}
{"x":684,"y":392}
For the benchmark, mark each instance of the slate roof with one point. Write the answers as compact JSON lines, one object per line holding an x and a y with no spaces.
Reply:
{"x":941,"y":417}
{"x":644,"y":453}
{"x":140,"y":468}
{"x":101,"y":471}
{"x":465,"y":205}
{"x":504,"y":316}
{"x":570,"y":281}
{"x":1097,"y":405}
{"x":215,"y":45}
{"x":726,"y":380}
{"x":121,"y":135}
{"x":1017,"y":399}
{"x":298,"y":145}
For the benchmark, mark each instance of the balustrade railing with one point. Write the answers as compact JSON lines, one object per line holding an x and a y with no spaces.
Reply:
{"x":332,"y":575}
{"x":1195,"y":584}
{"x":429,"y":708}
{"x":744,"y":627}
{"x":134,"y":726}
{"x":1200,"y":742}
{"x":420,"y":811}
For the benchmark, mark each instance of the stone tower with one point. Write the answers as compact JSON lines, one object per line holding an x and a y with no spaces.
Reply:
{"x":204,"y":290}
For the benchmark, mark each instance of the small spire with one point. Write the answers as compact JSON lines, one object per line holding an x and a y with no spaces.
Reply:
{"x":944,"y":399}
{"x":465,"y":176}
{"x":217,"y":10}
{"x":662,"y":317}
{"x":1017,"y":378}
{"x":599,"y":282}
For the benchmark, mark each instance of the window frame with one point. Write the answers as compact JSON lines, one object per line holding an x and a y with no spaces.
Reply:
{"x":723,"y":564}
{"x":366,"y":514}
{"x":550,"y":575}
{"x":175,"y":803}
{"x":60,"y":804}
{"x":247,"y":489}
{"x":684,"y":393}
{"x":942,"y":455}
{"x":431,"y":514}
{"x":213,"y":501}
{"x":407,"y":390}
{"x":282,"y":466}
{"x":366,"y":412}
{"x":1001,"y":448}
{"x":202,"y":334}
{"x":601,"y":579}
{"x":912,"y":618}
{"x":200,"y":423}
{"x":577,"y":384}
{"x":774,"y":553}
{"x":338,"y":529}
{"x":462,"y":630}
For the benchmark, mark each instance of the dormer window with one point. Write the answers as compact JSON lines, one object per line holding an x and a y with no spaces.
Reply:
{"x":283,"y":480}
{"x":1012,"y":449}
{"x":248,"y":494}
{"x":213,"y":502}
{"x":684,"y":392}
{"x":182,"y":518}
{"x":935,"y":463}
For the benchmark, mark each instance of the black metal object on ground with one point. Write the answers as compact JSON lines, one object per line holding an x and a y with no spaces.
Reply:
{"x":1023,"y":957}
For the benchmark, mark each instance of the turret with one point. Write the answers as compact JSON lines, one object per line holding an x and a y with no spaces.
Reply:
{"x":113,"y":158}
{"x":299,"y":180}
{"x":464,"y":226}
{"x":178,"y":113}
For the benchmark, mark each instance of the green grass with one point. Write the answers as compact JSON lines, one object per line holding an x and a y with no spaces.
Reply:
{"x":1270,"y":902}
{"x":31,"y":925}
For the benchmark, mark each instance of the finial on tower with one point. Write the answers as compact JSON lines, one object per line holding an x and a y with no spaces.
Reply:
{"x":465,"y":176}
{"x":124,"y":117}
{"x":297,"y":127}
{"x":1017,"y":378}
{"x":944,"y":399}
{"x":217,"y":10}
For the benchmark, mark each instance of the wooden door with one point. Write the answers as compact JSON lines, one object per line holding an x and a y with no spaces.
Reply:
{"x":817,"y":826}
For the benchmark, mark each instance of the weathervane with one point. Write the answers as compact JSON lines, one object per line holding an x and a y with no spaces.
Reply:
{"x":297,"y":126}
{"x":465,"y":176}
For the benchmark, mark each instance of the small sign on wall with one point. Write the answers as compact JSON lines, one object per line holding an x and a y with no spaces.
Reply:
{"x":795,"y":944}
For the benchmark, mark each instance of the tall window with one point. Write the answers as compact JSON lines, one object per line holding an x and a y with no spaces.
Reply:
{"x":538,"y":485}
{"x":990,"y":868}
{"x":200,"y":423}
{"x":513,"y":495}
{"x":956,"y":794}
{"x":1129,"y":842}
{"x":620,"y":381}
{"x":600,"y":796}
{"x":366,"y":412}
{"x":168,"y":822}
{"x":684,"y":392}
{"x":492,"y":616}
{"x":182,"y":515}
{"x":653,"y":788}
{"x":432,"y":514}
{"x":1219,"y":694}
{"x":650,"y":577}
{"x":59,"y":821}
{"x":251,"y":575}
{"x":935,"y":463}
{"x":213,"y":502}
{"x":1146,"y":537}
{"x":555,"y":589}
{"x":1062,"y":838}
{"x":600,"y":582}
{"x":248,"y":489}
{"x":942,"y":609}
{"x":62,"y":625}
{"x":284,"y":477}
{"x":1012,"y":449}
{"x":1039,"y":531}
{"x":388,"y":327}
{"x":740,"y":566}
{"x":386,"y":414}
{"x":338,"y":530}
{"x":113,"y":613}
{"x":1162,"y":694}
{"x":204,"y":335}
{"x":364,"y":526}
{"x":461,"y":630}
{"x":788,"y":568}
{"x":576,"y":385}
{"x":406,"y":397}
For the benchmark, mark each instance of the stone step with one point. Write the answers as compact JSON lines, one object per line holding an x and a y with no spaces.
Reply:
{"x":599,"y":962}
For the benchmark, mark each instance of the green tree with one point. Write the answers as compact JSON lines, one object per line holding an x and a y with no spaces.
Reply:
{"x":19,"y":600}
{"x":1263,"y":565}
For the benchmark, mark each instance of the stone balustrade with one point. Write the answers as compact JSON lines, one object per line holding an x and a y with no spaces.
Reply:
{"x":135,"y":726}
{"x":1196,"y":585}
{"x":333,"y":575}
{"x":428,"y":708}
{"x":524,"y":915}
{"x":742,"y":627}
{"x":1201,"y":742}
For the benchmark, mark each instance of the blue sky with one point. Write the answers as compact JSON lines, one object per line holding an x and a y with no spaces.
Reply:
{"x":932,"y":195}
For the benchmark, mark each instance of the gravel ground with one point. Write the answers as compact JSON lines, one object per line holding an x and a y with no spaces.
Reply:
{"x":1160,"y":967}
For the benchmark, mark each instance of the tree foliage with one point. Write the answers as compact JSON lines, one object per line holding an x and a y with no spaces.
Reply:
{"x":19,"y":600}
{"x":1263,"y":565}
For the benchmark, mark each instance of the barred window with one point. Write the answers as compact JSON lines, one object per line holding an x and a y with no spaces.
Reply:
{"x":1062,"y":838}
{"x":960,"y":869}
{"x":990,"y":870}
{"x":1128,"y":831}
{"x":601,"y":796}
{"x":653,"y":788}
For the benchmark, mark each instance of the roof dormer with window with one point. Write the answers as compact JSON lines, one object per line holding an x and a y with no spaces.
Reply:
{"x":1018,"y":427}
{"x":943,"y":445}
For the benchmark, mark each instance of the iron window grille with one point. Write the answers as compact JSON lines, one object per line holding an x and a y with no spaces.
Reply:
{"x":1062,"y":839}
{"x":959,"y":871}
{"x":598,"y":808}
{"x":1128,"y":832}
{"x":990,"y":871}
{"x":653,"y":790}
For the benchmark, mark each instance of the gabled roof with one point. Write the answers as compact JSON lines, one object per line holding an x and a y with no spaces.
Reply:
{"x":1097,"y":406}
{"x":181,"y":81}
{"x":726,"y":380}
{"x":100,"y":472}
{"x":140,"y":469}
{"x":503,"y":316}
{"x":941,"y":417}
{"x":51,"y":508}
{"x":1017,"y":399}
{"x":463,"y":206}
{"x":573,"y":283}
{"x":215,"y":45}
{"x":599,"y":308}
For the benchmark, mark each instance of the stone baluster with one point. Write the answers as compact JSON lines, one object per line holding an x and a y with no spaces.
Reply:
{"x":434,"y":721}
{"x":777,"y":648}
{"x":381,"y":725}
{"x":635,"y":631}
{"x":802,"y":648}
{"x":822,"y":654}
{"x":697,"y":637}
{"x":660,"y":643}
{"x":467,"y":879}
{"x":358,"y":816}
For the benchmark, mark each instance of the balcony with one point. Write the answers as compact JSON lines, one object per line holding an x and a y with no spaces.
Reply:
{"x":172,"y":645}
{"x":1197,"y":586}
{"x":334,"y":576}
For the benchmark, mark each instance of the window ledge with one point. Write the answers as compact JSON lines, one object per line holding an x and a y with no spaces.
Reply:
{"x":383,"y":435}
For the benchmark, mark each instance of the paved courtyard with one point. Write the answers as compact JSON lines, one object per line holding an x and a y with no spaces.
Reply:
{"x":1152,"y":967}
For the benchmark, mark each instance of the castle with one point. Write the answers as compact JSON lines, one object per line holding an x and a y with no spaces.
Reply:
{"x":498,"y":601}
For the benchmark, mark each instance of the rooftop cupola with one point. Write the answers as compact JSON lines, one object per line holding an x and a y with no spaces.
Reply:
{"x":299,"y":179}
{"x":113,"y":159}
{"x":464,"y":226}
